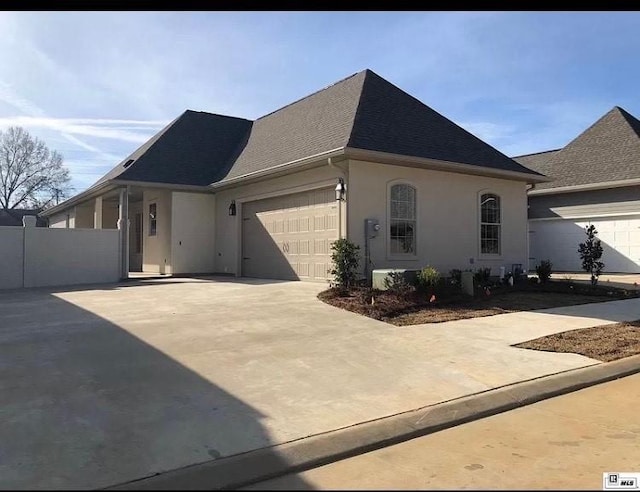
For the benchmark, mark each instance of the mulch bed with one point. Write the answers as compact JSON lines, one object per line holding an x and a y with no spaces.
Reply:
{"x":605,"y":343}
{"x":415,"y":308}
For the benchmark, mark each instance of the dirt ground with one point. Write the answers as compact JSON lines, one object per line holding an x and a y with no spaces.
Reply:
{"x":605,"y":343}
{"x":413,"y":310}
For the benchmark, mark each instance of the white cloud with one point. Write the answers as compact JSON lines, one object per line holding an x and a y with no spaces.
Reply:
{"x":137,"y":131}
{"x":492,"y":133}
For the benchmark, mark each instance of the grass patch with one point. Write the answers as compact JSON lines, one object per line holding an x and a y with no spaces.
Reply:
{"x":604,"y":343}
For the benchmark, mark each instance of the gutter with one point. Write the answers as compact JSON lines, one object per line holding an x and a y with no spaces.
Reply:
{"x":313,"y":159}
{"x":438,"y":165}
{"x":146,"y":184}
{"x":75,"y":199}
{"x":585,"y":187}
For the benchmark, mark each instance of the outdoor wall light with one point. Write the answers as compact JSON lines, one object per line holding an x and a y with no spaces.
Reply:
{"x":232,"y":207}
{"x":340,"y":189}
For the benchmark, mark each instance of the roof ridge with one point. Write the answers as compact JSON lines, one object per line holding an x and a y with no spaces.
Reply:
{"x":631,"y":120}
{"x":537,"y":153}
{"x":313,"y":93}
{"x":209,"y":113}
{"x":612,"y":111}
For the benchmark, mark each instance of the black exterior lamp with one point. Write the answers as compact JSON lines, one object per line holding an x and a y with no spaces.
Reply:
{"x":232,"y":207}
{"x":340,"y":189}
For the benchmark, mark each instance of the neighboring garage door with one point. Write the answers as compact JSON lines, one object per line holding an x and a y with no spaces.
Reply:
{"x":288,"y":237}
{"x":558,"y":241}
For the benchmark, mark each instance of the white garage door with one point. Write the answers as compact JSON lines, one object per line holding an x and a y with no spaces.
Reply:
{"x":558,"y":241}
{"x":288,"y":237}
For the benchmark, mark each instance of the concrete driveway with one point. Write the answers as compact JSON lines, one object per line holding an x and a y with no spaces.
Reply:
{"x":104,"y":385}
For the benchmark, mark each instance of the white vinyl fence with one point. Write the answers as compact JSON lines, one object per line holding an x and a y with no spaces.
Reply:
{"x":39,"y":256}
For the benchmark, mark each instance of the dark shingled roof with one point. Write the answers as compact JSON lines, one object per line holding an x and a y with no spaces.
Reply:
{"x":14,"y":216}
{"x":609,"y":150}
{"x":390,"y":120}
{"x":317,"y":123}
{"x":363,"y":111}
{"x":194,"y":149}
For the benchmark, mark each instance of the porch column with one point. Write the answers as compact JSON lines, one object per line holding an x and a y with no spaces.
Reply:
{"x":123,"y":227}
{"x":97,"y":214}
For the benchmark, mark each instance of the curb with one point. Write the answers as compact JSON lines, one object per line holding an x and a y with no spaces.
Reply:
{"x":266,"y":463}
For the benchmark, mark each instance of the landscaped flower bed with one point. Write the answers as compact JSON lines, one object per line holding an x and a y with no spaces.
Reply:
{"x":411,"y":306}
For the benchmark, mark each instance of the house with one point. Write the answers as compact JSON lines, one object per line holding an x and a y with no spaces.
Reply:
{"x":14,"y":216}
{"x":214,"y":193}
{"x":596,"y":180}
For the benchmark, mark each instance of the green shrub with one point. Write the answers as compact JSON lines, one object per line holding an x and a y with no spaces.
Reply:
{"x":481,"y":276}
{"x":346,"y":258}
{"x":590,"y":254}
{"x":428,"y":279}
{"x":544,"y":270}
{"x":395,"y":283}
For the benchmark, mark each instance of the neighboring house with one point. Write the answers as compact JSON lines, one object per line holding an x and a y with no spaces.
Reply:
{"x":596,"y":180}
{"x":14,"y":216}
{"x":212,"y":193}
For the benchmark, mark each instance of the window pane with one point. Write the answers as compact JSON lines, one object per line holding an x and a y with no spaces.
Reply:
{"x":394,"y":209}
{"x":490,"y":208}
{"x":411,"y":209}
{"x":402,"y":210}
{"x":490,"y":239}
{"x":402,"y":192}
{"x":395,"y":190}
{"x":489,"y":224}
{"x":402,"y":222}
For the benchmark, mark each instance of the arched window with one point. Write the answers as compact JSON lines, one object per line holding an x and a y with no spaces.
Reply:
{"x":402,"y":220}
{"x":490,"y":224}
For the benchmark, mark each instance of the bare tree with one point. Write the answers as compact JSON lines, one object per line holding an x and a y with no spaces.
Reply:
{"x":30,"y":174}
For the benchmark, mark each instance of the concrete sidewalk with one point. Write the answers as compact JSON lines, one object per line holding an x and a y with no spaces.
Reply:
{"x":621,"y":280}
{"x":565,"y":442}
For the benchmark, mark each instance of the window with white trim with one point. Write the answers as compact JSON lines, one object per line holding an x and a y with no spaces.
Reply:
{"x":402,"y":220}
{"x":490,"y":224}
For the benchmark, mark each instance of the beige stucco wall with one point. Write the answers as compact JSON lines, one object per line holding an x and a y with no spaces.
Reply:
{"x":84,"y":215}
{"x":227,"y":239}
{"x":192,"y":232}
{"x":156,"y":255}
{"x":447,"y":216}
{"x":58,"y":220}
{"x":110,"y":214}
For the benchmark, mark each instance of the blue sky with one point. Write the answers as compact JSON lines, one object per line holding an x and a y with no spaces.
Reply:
{"x":95,"y":85}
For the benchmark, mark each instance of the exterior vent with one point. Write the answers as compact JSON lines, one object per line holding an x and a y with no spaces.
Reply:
{"x":128,"y":163}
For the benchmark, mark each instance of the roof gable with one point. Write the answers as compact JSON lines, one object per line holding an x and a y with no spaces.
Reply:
{"x":312,"y":125}
{"x":609,"y":150}
{"x":390,"y":120}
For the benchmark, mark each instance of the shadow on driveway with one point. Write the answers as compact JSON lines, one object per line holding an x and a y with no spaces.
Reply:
{"x":84,"y":404}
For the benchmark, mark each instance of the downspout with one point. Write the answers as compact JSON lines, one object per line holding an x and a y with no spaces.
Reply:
{"x":533,"y":185}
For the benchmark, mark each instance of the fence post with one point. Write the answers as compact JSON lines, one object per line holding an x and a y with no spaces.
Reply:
{"x":28,"y":221}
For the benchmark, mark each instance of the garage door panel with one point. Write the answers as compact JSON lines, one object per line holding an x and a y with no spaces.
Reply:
{"x":289,"y":236}
{"x":558,"y":241}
